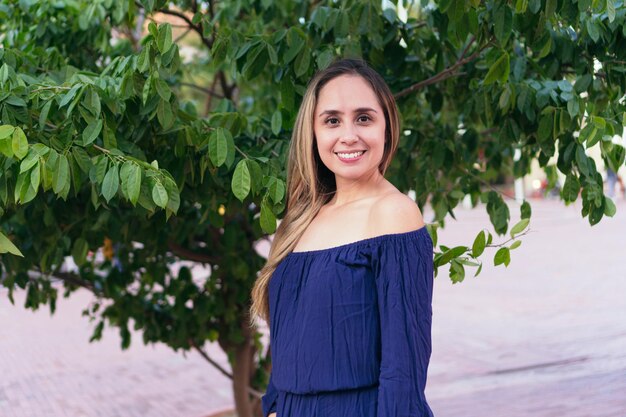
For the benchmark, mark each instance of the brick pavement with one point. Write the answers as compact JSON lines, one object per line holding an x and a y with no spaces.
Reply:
{"x":544,"y":337}
{"x":48,"y":368}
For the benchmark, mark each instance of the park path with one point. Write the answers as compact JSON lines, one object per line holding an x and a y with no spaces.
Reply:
{"x":544,"y":337}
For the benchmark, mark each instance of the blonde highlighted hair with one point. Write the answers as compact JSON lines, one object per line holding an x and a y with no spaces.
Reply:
{"x":310,"y":184}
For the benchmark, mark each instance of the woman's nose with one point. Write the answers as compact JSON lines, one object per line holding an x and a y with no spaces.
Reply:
{"x":349,"y":135}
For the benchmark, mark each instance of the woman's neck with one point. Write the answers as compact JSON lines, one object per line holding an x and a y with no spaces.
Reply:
{"x":351,"y":190}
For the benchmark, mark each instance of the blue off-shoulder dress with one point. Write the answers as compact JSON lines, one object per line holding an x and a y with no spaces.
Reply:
{"x":350,"y":329}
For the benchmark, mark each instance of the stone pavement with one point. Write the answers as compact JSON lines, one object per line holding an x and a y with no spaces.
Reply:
{"x":544,"y":337}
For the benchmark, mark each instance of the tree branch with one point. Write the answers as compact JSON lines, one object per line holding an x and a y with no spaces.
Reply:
{"x":208,"y":91}
{"x":190,"y":255}
{"x":202,"y":353}
{"x":446,"y":73}
{"x":69,"y":278}
{"x":185,"y":33}
{"x":207,"y":42}
{"x":487,"y":184}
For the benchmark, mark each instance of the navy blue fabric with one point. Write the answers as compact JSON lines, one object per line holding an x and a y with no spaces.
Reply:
{"x":350,"y":329}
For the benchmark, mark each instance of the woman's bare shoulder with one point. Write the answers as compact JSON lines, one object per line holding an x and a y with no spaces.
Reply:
{"x":394,"y":212}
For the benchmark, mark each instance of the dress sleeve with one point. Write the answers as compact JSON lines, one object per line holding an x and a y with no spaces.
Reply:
{"x":268,"y":400}
{"x":404,"y":283}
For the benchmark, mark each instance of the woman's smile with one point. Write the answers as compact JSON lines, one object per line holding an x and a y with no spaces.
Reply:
{"x":350,"y":157}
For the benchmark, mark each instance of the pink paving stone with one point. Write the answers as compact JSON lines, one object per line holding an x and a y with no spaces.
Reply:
{"x":544,"y":337}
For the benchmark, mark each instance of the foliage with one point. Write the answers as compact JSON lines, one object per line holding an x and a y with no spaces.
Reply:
{"x":159,"y":130}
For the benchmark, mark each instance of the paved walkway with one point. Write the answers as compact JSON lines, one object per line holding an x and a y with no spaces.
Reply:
{"x":544,"y":337}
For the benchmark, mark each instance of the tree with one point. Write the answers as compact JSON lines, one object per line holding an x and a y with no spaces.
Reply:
{"x":168,"y":144}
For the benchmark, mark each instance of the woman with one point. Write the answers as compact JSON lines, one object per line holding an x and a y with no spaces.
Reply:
{"x":347,"y":288}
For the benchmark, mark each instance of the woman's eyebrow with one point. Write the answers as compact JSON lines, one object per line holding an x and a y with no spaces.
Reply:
{"x":359,"y":110}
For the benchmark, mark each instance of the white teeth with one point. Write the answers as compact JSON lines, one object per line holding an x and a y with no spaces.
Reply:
{"x":350,"y":155}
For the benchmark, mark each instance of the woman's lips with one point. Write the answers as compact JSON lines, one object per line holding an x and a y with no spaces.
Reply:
{"x":350,"y":160}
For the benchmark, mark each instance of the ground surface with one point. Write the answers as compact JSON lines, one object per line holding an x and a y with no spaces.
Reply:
{"x":544,"y":337}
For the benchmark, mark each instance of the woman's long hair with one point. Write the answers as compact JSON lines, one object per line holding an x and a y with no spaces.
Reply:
{"x":310,"y":184}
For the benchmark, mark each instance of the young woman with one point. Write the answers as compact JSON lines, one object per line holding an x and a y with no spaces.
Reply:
{"x":347,"y":288}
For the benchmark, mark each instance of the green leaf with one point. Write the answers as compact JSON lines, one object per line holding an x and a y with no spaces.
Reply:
{"x":598,"y":121}
{"x":159,"y":194}
{"x":582,"y":161}
{"x":479,"y":244}
{"x":143,"y":60}
{"x":271,"y":52}
{"x":146,"y":90}
{"x":570,"y":189}
{"x":525,"y":210}
{"x":173,"y":202}
{"x":164,"y":41}
{"x":29,"y":161}
{"x":480,"y":268}
{"x":544,"y":131}
{"x":609,"y":207}
{"x":91,"y":101}
{"x":62,"y":175}
{"x":451,"y":254}
{"x":19,"y":144}
{"x":43,"y":116}
{"x":79,"y":251}
{"x":295,"y":42}
{"x":302,"y":62}
{"x":550,"y":8}
{"x":111,"y":183}
{"x":165,"y":115}
{"x":6,"y":147}
{"x":134,"y":184}
{"x":4,"y":73}
{"x":457,"y":271}
{"x":35,"y":176}
{"x":277,"y":190}
{"x":82,"y":159}
{"x":324,"y":58}
{"x":593,"y":137}
{"x":70,"y":95}
{"x":519,"y":227}
{"x":610,"y":10}
{"x":515,"y":245}
{"x":592,"y":30}
{"x":153,"y":30}
{"x":499,"y":71}
{"x":218,"y":147}
{"x":287,"y":93}
{"x":92,"y":131}
{"x":503,"y":23}
{"x":277,"y":121}
{"x":6,"y":131}
{"x":573,"y":107}
{"x":267,"y":218}
{"x":7,"y":246}
{"x":546,"y":47}
{"x":342,"y":25}
{"x":502,"y":256}
{"x":163,"y":89}
{"x":240,"y":183}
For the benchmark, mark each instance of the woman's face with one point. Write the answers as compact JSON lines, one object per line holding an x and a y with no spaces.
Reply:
{"x":349,"y":126}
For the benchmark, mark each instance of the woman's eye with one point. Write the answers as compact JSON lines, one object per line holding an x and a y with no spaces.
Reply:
{"x":364,"y":118}
{"x":332,"y":119}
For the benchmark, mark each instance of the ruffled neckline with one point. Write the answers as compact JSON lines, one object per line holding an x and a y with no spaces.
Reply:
{"x":370,"y":240}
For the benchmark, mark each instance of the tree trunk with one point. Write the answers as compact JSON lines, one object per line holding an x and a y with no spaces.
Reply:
{"x":243,"y":370}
